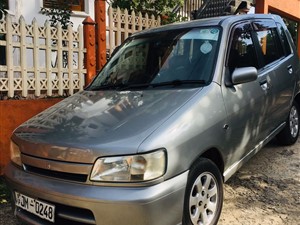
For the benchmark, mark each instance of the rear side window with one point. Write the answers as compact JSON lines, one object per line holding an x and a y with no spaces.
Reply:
{"x":242,"y":50}
{"x":269,"y":41}
{"x":284,"y":40}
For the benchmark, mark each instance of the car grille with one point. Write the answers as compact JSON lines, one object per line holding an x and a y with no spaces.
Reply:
{"x":71,"y":171}
{"x":56,"y":174}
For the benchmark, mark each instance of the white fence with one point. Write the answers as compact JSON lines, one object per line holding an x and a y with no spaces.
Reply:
{"x":40,"y":61}
{"x":48,"y":61}
{"x":121,"y":24}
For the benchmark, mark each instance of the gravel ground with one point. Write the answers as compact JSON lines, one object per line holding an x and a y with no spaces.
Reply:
{"x":265,"y":191}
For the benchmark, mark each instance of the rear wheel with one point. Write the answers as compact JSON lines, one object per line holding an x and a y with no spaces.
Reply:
{"x":204,"y":194}
{"x":290,"y":133}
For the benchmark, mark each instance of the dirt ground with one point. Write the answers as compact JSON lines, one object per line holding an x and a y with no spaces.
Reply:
{"x":266,"y":191}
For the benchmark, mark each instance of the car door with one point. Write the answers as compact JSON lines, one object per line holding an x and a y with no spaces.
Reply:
{"x":246,"y":104}
{"x":277,"y":67}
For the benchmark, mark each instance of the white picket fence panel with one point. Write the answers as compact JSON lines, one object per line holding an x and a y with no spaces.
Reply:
{"x":122,"y":24}
{"x":48,"y":61}
{"x":40,"y":60}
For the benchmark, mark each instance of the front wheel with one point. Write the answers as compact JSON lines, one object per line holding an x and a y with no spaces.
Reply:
{"x":289,"y":134}
{"x":204,"y":194}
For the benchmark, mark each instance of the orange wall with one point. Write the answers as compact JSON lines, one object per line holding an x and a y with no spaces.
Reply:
{"x":12,"y":114}
{"x":287,"y":8}
{"x":290,"y":8}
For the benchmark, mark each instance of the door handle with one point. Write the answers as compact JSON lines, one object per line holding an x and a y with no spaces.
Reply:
{"x":290,"y":69}
{"x":265,"y":85}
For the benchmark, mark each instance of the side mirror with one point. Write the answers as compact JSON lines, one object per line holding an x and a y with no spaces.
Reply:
{"x":243,"y":75}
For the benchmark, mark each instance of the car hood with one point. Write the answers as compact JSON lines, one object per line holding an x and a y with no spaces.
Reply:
{"x":96,"y":123}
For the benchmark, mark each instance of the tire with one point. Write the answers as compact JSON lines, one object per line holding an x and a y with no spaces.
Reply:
{"x":290,"y":132}
{"x":204,"y":194}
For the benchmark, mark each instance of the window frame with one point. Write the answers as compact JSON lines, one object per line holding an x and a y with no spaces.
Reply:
{"x":288,"y":50}
{"x":249,"y":29}
{"x":77,"y":8}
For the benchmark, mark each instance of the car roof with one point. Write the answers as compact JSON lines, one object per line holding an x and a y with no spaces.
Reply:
{"x":213,"y":21}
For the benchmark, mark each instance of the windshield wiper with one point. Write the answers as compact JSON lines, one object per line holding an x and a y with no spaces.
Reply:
{"x":168,"y":83}
{"x":178,"y":83}
{"x":133,"y":86}
{"x":107,"y":87}
{"x":123,"y":87}
{"x":119,"y":87}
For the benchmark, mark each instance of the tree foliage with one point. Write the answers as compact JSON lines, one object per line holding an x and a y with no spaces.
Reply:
{"x":292,"y":27}
{"x":163,"y":8}
{"x":59,"y":12}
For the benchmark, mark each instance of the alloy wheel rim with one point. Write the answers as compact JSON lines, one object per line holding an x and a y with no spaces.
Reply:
{"x":294,"y":121}
{"x":203,"y":199}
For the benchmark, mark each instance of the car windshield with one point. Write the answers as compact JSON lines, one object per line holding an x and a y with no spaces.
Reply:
{"x":162,"y":59}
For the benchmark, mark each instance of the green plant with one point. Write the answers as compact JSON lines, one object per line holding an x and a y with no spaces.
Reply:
{"x":4,"y":192}
{"x":59,"y":12}
{"x":171,"y":17}
{"x":163,"y":8}
{"x":292,"y":27}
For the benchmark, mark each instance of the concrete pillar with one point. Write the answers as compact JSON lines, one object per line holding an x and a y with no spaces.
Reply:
{"x":260,"y":7}
{"x":90,"y":45}
{"x":100,"y":19}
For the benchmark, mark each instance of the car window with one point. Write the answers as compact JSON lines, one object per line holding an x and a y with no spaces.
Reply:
{"x":269,"y":42}
{"x":242,"y":50}
{"x":166,"y":56}
{"x":284,"y":40}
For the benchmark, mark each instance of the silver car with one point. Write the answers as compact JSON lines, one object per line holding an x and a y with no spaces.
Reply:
{"x":176,"y":111}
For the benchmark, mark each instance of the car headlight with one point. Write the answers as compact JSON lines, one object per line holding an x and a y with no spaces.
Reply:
{"x":15,"y":154}
{"x":133,"y":168}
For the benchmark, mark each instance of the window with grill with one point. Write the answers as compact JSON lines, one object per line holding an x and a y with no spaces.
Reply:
{"x":5,"y":4}
{"x":75,"y":5}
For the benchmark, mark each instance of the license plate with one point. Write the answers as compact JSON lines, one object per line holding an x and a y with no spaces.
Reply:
{"x":42,"y":209}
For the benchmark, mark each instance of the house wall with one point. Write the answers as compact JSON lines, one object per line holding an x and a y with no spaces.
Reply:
{"x":286,"y":8}
{"x":12,"y":114}
{"x":30,"y":9}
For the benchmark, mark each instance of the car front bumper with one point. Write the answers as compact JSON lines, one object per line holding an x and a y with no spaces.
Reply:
{"x":160,"y":204}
